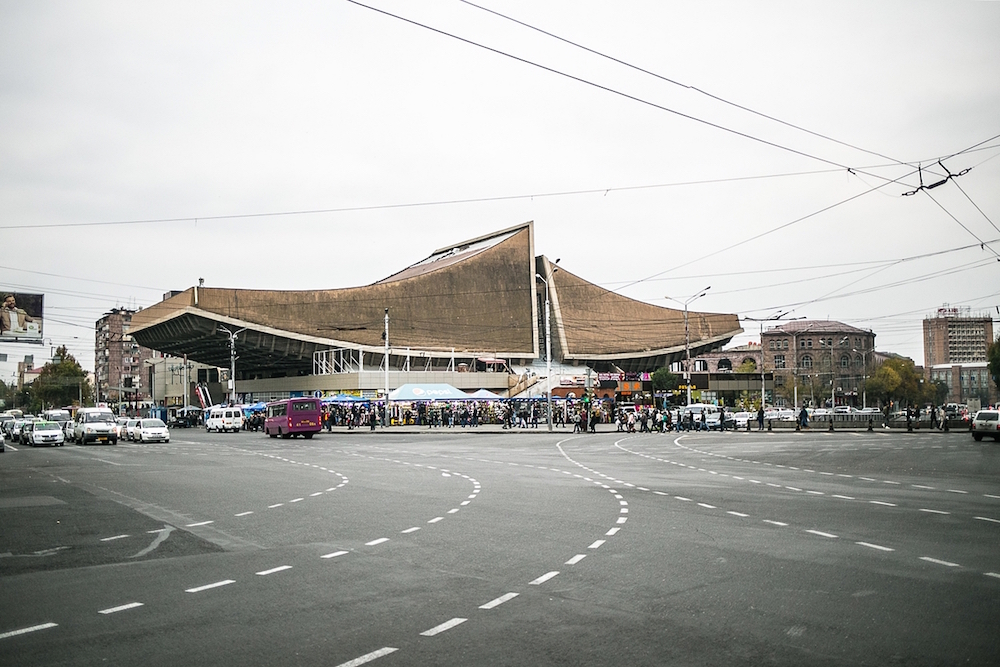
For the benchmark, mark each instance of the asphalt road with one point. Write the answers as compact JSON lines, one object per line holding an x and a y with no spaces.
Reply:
{"x":447,"y":547}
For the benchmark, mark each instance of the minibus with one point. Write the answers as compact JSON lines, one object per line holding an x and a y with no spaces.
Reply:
{"x":293,"y":416}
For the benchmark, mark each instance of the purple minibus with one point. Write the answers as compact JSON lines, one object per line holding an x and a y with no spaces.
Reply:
{"x":293,"y":416}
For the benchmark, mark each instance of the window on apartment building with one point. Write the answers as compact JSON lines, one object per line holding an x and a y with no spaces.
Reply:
{"x":807,"y":361}
{"x":859,"y":361}
{"x":779,"y":361}
{"x":770,"y":344}
{"x":784,"y":344}
{"x":779,"y":380}
{"x":845,"y":361}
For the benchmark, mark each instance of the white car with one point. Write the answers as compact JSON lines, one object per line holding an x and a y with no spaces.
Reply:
{"x":95,"y":425}
{"x":986,"y":422}
{"x":46,"y":433}
{"x":742,"y":418}
{"x":120,"y":426}
{"x":152,"y":430}
{"x":132,"y":429}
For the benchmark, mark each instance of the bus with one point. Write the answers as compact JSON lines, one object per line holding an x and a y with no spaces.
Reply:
{"x":293,"y":416}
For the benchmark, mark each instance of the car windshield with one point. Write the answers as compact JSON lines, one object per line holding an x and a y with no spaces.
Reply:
{"x":991,"y":416}
{"x":46,"y":426}
{"x":152,"y":423}
{"x":99,"y":417}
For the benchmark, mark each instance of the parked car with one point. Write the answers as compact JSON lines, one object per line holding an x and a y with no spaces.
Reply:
{"x":45,"y":433}
{"x":131,"y":429}
{"x":741,"y":419}
{"x":152,"y":430}
{"x":986,"y":422}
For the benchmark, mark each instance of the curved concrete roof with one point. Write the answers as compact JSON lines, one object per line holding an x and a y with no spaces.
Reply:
{"x":479,"y":298}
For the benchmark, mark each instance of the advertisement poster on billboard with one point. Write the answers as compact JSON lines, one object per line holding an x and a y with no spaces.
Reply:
{"x":21,"y":317}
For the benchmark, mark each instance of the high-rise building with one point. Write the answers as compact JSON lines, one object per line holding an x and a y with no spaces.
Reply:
{"x":956,"y":336}
{"x":118,"y":368}
{"x":955,"y":343}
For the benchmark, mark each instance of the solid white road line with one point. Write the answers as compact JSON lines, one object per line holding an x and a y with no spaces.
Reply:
{"x":542,"y":579}
{"x":368,"y":657}
{"x":499,"y":601}
{"x":874,"y":546}
{"x":576,"y":559}
{"x":378,"y":541}
{"x":939,"y":562}
{"x":334,"y":554}
{"x":264,"y":573}
{"x":447,"y":625}
{"x":199,"y":589}
{"x":33,"y":628}
{"x":116,"y":537}
{"x":112,"y":610}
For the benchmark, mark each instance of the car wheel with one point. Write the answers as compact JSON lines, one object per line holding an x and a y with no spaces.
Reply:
{"x":978,"y":437}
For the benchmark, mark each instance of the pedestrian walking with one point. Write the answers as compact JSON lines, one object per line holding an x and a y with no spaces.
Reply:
{"x":760,"y":418}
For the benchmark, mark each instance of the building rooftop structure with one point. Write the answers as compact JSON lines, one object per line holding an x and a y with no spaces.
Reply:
{"x":473,"y":302}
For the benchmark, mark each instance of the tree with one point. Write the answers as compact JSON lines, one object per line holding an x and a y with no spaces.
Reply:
{"x":748,"y":366}
{"x":61,"y":382}
{"x":993,"y":361}
{"x":897,"y":380}
{"x":664,"y":380}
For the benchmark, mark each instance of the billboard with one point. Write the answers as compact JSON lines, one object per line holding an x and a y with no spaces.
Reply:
{"x":20,"y":317}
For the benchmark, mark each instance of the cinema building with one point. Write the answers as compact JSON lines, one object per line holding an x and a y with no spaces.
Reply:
{"x":471,"y":315}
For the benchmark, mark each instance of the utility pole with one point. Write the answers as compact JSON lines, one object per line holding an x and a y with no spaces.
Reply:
{"x":548,"y":351}
{"x":385,"y":419}
{"x":233,"y":335}
{"x":687,"y":339}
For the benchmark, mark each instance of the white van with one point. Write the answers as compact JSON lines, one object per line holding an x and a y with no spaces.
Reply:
{"x":95,"y":425}
{"x":224,"y":419}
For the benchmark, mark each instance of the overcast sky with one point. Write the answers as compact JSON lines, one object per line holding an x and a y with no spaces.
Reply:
{"x":192,"y":112}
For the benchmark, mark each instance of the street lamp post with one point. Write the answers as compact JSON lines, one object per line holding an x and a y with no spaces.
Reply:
{"x":233,"y":335}
{"x":548,"y":352}
{"x":864,"y":386}
{"x":687,"y":338}
{"x":385,"y":418}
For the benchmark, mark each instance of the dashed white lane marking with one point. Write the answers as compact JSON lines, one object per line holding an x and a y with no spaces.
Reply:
{"x":774,"y":523}
{"x":334,"y":554}
{"x":318,"y":493}
{"x":956,"y":491}
{"x":447,"y":625}
{"x":612,"y":531}
{"x":111,"y":539}
{"x":452,"y":511}
{"x":576,"y":559}
{"x":124,"y":607}
{"x":280,"y":568}
{"x":995,"y":575}
{"x":410,"y":530}
{"x":875,"y":546}
{"x":33,"y":628}
{"x":498,"y":601}
{"x":882,"y":502}
{"x":682,"y":498}
{"x":378,"y":541}
{"x":368,"y":657}
{"x":741,"y":514}
{"x":199,"y":589}
{"x":436,"y":519}
{"x":707,"y":506}
{"x":271,"y":507}
{"x":923,"y":509}
{"x":820,"y":533}
{"x":597,"y":544}
{"x":200,"y":523}
{"x":542,"y":579}
{"x":986,"y":518}
{"x":922,"y":486}
{"x":990,"y":495}
{"x":837,"y":495}
{"x":296,"y":500}
{"x":158,"y":530}
{"x":939,"y":562}
{"x":244,"y":513}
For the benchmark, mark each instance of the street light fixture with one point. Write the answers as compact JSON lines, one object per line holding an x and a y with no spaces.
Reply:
{"x":687,"y":338}
{"x":233,"y":335}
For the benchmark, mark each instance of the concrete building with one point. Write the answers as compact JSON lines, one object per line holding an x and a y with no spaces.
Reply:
{"x":817,"y":359}
{"x":118,"y":366}
{"x":955,"y":344}
{"x":465,"y":315}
